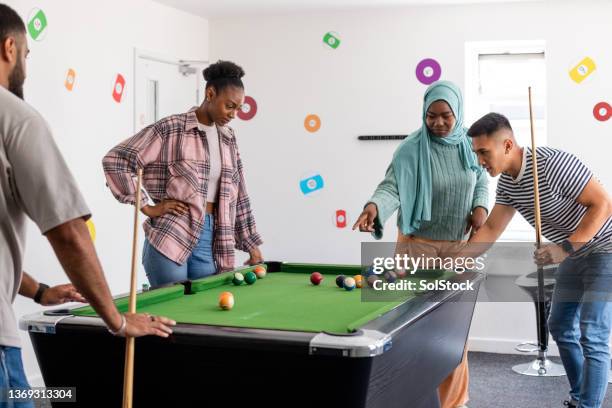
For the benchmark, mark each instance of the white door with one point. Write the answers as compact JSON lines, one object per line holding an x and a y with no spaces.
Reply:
{"x":165,"y":86}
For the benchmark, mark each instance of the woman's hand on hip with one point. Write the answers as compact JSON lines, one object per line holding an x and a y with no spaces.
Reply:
{"x":365,"y":222}
{"x":165,"y":207}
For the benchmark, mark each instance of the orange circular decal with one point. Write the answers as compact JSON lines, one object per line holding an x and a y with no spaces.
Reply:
{"x":312,"y":123}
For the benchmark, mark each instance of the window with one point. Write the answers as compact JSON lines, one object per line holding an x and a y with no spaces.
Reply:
{"x":498,"y":75}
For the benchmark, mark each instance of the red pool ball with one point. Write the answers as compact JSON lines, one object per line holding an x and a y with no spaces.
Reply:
{"x":316,"y":278}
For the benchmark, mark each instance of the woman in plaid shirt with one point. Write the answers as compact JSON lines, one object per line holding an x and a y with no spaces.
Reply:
{"x":193,"y":174}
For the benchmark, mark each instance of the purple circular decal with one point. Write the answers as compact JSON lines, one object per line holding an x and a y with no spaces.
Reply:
{"x":428,"y":71}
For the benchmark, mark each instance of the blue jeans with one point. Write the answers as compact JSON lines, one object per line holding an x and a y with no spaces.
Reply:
{"x":161,"y":270}
{"x":580,"y":320}
{"x":12,"y":376}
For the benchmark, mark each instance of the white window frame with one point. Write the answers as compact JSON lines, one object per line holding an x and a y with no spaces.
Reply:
{"x":518,"y":230}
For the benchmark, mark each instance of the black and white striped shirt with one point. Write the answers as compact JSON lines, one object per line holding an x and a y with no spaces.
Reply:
{"x":561,"y":179}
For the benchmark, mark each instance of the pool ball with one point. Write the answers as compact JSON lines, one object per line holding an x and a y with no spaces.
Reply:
{"x":349,"y":284}
{"x":369,"y":272}
{"x":371,"y":279}
{"x":358,"y":281}
{"x":390,"y":276}
{"x":316,"y":278}
{"x":401,"y":273}
{"x":340,"y":281}
{"x":226,"y":301}
{"x":238,"y":279}
{"x":250,"y":278}
{"x":260,"y":271}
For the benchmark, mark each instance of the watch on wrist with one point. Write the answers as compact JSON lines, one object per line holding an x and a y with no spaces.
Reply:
{"x":41,"y":289}
{"x":567,"y":246}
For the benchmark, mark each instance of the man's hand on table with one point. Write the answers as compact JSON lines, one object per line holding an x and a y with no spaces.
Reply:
{"x":59,"y":294}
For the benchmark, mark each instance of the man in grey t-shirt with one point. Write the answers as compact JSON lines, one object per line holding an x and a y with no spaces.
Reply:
{"x":36,"y":183}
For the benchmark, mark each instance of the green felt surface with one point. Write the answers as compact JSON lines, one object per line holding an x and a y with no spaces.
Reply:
{"x":283,"y":300}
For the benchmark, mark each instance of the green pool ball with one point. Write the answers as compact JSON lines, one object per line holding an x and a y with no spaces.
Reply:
{"x":250,"y":278}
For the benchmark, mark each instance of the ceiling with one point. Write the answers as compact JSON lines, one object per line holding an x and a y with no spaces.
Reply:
{"x":228,"y":8}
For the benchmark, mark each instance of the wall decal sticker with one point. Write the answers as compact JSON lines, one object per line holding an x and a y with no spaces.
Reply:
{"x":602,"y":111}
{"x":118,"y":88}
{"x":37,"y":23}
{"x":332,"y":40}
{"x":92,"y":229}
{"x":312,"y":123}
{"x":309,"y":185}
{"x":248,"y":109}
{"x":428,"y":71}
{"x":582,"y":70}
{"x":70,"y":78}
{"x":340,"y":219}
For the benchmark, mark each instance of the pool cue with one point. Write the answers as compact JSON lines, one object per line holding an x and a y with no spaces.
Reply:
{"x":541,"y":301}
{"x":128,"y":371}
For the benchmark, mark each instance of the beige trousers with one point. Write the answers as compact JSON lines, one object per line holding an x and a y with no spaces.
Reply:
{"x":453,"y":391}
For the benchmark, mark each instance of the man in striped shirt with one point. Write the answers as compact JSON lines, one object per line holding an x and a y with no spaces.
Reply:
{"x":576,"y":216}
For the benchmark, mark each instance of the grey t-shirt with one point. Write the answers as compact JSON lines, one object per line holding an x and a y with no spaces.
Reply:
{"x":34,"y":182}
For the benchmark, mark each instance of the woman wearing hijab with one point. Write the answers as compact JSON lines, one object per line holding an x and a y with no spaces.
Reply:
{"x":440,"y":193}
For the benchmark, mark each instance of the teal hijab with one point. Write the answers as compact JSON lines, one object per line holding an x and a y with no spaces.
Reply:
{"x":412,"y":159}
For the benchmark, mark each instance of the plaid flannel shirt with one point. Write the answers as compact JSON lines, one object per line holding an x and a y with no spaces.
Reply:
{"x":173,"y":154}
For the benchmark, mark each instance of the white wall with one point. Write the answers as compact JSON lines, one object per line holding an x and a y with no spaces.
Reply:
{"x":97,"y":40}
{"x":368,"y":86}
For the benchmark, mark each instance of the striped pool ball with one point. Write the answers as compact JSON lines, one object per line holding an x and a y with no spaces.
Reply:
{"x":401,"y":273}
{"x":260,"y":271}
{"x":238,"y":279}
{"x":349,"y":284}
{"x":226,"y":300}
{"x":340,"y":281}
{"x":316,"y":278}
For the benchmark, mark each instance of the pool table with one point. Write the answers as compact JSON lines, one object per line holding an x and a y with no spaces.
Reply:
{"x":285,"y":343}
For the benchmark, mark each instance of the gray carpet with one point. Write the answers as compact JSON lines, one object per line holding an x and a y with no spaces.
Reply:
{"x":493,"y":384}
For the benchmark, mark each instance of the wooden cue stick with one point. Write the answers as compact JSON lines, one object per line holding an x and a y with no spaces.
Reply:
{"x":540,"y":305}
{"x":536,"y":192}
{"x":128,"y":372}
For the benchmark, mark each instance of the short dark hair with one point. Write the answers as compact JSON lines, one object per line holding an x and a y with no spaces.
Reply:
{"x":10,"y":22}
{"x":489,"y":124}
{"x":222,"y":74}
